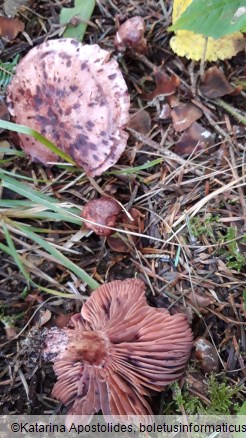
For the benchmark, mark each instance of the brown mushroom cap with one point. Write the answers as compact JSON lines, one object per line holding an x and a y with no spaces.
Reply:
{"x":131,"y":35}
{"x":76,"y":96}
{"x":104,"y":211}
{"x":120,"y":349}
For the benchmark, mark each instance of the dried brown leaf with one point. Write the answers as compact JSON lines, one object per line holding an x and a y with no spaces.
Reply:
{"x":215,"y":84}
{"x":196,"y":137}
{"x":165,"y":86}
{"x":140,"y":122}
{"x":183,"y":115}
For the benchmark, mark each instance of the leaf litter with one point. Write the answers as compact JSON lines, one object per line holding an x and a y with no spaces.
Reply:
{"x":190,"y":238}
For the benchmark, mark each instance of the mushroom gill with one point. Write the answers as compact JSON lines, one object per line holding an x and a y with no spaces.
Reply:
{"x":117,"y":352}
{"x":76,"y":96}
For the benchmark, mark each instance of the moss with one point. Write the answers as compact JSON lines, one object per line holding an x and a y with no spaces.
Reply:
{"x":220,"y":394}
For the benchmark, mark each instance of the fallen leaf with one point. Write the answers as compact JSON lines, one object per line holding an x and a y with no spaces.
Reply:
{"x":165,"y":86}
{"x":11,"y":7}
{"x":117,"y":242}
{"x":140,"y":122}
{"x":76,"y":18}
{"x":200,"y":300}
{"x":215,"y":84}
{"x":10,"y":27}
{"x":191,"y":45}
{"x":184,"y":114}
{"x":196,"y":137}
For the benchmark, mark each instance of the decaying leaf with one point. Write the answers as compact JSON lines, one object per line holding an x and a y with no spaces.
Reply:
{"x":140,"y":122}
{"x":215,"y":84}
{"x":118,"y":242}
{"x":165,"y":86}
{"x":10,"y":27}
{"x":191,"y":45}
{"x":184,"y":114}
{"x":196,"y":137}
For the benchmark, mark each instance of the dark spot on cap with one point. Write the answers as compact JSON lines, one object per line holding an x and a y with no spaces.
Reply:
{"x":37,"y":101}
{"x":112,"y":77}
{"x":64,"y":55}
{"x":83,"y":65}
{"x":66,"y":135}
{"x":95,"y":157}
{"x":103,"y":133}
{"x":90,"y":125}
{"x":48,"y":52}
{"x":75,"y":43}
{"x":105,"y":142}
{"x":73,"y":88}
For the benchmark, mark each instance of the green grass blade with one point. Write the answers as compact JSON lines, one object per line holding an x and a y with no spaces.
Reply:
{"x":93,"y":284}
{"x":40,"y":199}
{"x":21,"y":129}
{"x":13,"y":252}
{"x":136,"y":169}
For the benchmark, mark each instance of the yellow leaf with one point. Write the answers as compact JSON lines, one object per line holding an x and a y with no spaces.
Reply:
{"x":191,"y":45}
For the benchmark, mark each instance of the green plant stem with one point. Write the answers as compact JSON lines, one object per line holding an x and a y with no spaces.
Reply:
{"x":240,"y":117}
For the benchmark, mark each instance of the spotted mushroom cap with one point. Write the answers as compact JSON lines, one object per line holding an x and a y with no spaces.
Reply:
{"x":119,"y":349}
{"x":76,"y":96}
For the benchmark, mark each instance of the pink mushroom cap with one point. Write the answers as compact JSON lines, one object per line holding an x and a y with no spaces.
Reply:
{"x":118,"y":351}
{"x":75,"y":96}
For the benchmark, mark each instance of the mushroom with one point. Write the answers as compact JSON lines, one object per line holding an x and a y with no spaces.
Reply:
{"x":76,"y":96}
{"x":131,"y":35}
{"x":104,"y":211}
{"x":117,"y":351}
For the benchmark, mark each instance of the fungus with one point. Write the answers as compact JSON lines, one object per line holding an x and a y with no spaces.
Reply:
{"x":104,"y":211}
{"x":131,"y":35}
{"x":76,"y":96}
{"x":117,"y":351}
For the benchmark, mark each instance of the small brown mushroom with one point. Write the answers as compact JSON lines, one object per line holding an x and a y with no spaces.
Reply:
{"x":207,"y":355}
{"x":117,"y":351}
{"x":76,"y":96}
{"x":104,"y":211}
{"x":131,"y":35}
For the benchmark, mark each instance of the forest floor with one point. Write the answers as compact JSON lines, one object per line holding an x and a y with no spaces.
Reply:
{"x":189,"y":195}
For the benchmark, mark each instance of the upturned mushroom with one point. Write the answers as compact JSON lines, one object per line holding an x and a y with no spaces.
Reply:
{"x":74,"y":95}
{"x":116,"y":352}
